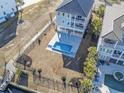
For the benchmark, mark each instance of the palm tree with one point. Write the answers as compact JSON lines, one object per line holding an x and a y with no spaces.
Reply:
{"x":86,"y":85}
{"x":64,"y":80}
{"x":39,"y":71}
{"x":100,"y":11}
{"x":90,"y":63}
{"x":96,"y":26}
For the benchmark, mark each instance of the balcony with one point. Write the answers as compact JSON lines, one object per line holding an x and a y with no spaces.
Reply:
{"x":106,"y":44}
{"x":112,"y":44}
{"x":117,"y":53}
{"x":79,"y":26}
{"x":79,"y":20}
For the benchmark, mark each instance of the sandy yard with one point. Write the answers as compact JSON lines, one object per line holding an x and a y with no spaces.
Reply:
{"x":34,"y":18}
{"x":53,"y":65}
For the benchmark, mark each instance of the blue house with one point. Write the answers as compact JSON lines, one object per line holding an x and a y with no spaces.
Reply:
{"x":72,"y":18}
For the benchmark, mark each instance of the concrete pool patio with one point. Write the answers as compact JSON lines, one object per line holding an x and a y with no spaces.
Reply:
{"x":65,"y":39}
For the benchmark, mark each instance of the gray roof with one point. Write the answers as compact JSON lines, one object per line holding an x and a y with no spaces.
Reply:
{"x":77,"y":7}
{"x":112,"y":24}
{"x":113,"y":20}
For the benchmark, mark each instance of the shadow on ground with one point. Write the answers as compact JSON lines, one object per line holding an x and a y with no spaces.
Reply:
{"x":76,"y":64}
{"x":8,"y":30}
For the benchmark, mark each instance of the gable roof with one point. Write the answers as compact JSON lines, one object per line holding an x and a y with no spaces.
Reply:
{"x":113,"y":19}
{"x":77,"y":7}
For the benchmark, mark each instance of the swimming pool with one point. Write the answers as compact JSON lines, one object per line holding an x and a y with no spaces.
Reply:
{"x":62,"y":47}
{"x":113,"y":83}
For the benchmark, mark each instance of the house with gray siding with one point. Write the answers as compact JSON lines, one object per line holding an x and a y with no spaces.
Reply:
{"x":72,"y":18}
{"x":111,"y":42}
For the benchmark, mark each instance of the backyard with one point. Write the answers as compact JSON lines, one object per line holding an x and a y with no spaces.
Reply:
{"x":24,"y":26}
{"x":53,"y":65}
{"x":28,"y":22}
{"x":51,"y":68}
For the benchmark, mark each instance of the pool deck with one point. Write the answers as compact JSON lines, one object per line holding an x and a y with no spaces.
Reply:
{"x":108,"y":69}
{"x":64,"y":38}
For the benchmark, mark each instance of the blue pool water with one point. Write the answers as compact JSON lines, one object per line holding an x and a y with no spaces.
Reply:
{"x":62,"y":47}
{"x":114,"y":84}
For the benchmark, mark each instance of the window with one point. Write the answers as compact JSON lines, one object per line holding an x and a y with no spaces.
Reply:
{"x":62,"y":28}
{"x":77,"y":32}
{"x":12,"y":9}
{"x":4,"y":13}
{"x":117,"y":53}
{"x":79,"y":16}
{"x":102,"y":49}
{"x":102,"y":57}
{"x":1,"y":6}
{"x":68,"y":23}
{"x":112,"y":60}
{"x":109,"y":51}
{"x":63,"y":14}
{"x":120,"y":63}
{"x":122,"y":56}
{"x":72,"y":24}
{"x":109,"y":41}
{"x":68,"y":15}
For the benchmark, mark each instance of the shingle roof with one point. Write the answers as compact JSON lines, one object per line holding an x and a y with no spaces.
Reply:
{"x":80,"y":7}
{"x":112,"y":22}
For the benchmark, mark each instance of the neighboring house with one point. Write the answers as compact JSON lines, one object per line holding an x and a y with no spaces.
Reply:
{"x":111,"y":41}
{"x":7,"y":9}
{"x":72,"y":18}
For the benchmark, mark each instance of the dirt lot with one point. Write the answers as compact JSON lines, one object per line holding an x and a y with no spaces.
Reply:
{"x":53,"y":65}
{"x":34,"y":18}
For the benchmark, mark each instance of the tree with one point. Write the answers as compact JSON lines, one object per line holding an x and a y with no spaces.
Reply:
{"x":20,"y":2}
{"x":100,"y":11}
{"x":39,"y":71}
{"x":25,"y":64}
{"x":92,"y":52}
{"x":96,"y":26}
{"x":86,"y":85}
{"x":90,"y":63}
{"x":89,"y":70}
{"x":64,"y":81}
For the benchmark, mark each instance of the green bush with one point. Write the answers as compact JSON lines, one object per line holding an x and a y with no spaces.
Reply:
{"x":96,"y":26}
{"x":100,"y":11}
{"x":89,"y":70}
{"x":86,"y":85}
